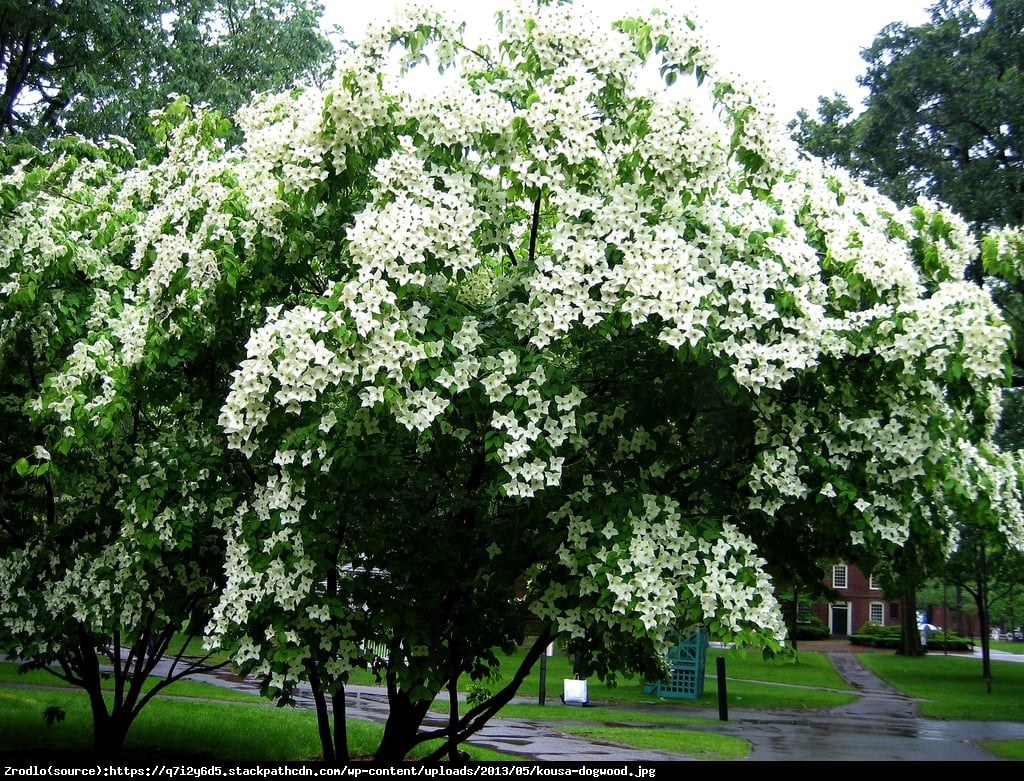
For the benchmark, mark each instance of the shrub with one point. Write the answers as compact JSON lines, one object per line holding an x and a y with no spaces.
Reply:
{"x":875,"y":636}
{"x":811,"y":630}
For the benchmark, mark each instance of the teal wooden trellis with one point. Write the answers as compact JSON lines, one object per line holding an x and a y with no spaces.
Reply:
{"x":685,"y":662}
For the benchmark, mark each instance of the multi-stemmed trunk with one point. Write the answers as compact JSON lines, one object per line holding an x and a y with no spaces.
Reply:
{"x":331,"y":724}
{"x":114,"y":711}
{"x":402,"y":730}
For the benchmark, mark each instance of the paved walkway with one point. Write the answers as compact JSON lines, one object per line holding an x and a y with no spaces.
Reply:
{"x":881,"y":725}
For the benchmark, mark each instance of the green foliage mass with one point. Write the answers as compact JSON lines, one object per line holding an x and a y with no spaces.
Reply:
{"x":943,"y":117}
{"x":99,"y":69}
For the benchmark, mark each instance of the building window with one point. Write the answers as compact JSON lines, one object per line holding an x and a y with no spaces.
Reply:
{"x":876,"y":613}
{"x":873,"y":584}
{"x":839,"y":576}
{"x":894,"y":611}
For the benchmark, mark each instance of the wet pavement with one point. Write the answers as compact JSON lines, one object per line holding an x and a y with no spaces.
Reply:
{"x":880,"y":725}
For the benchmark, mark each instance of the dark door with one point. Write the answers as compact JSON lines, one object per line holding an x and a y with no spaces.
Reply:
{"x":839,"y":617}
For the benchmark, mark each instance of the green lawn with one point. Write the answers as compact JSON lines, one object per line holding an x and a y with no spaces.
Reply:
{"x":205,"y":731}
{"x":211,"y":722}
{"x":1003,"y":645}
{"x":953,"y":687}
{"x":194,"y":727}
{"x":751,"y":682}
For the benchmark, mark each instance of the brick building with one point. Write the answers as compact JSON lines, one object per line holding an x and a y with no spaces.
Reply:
{"x":861,"y":600}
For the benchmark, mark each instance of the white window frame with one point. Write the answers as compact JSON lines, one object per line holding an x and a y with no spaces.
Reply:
{"x":876,"y":613}
{"x":840,"y":576}
{"x":873,"y":584}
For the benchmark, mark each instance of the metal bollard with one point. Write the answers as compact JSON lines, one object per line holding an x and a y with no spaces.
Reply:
{"x":723,"y":702}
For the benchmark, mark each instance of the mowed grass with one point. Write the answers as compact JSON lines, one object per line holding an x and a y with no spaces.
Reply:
{"x":202,"y":729}
{"x":803,"y":681}
{"x":219,"y":724}
{"x":954,"y":687}
{"x":246,"y":728}
{"x":696,"y":745}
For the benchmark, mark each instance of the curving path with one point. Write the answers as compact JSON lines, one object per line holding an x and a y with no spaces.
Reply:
{"x":881,"y":725}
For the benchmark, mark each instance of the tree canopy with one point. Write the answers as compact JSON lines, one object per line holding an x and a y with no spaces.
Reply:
{"x":942,"y":119}
{"x":943,"y":115}
{"x":99,"y":68}
{"x":425,"y":362}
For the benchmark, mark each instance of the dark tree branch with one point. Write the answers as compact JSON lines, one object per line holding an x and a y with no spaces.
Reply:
{"x":476,"y":718}
{"x":534,"y":228}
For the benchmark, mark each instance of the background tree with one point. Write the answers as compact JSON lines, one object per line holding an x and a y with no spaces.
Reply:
{"x":900,"y":570}
{"x":943,"y":119}
{"x":99,"y":68}
{"x":989,"y":573}
{"x":535,"y":341}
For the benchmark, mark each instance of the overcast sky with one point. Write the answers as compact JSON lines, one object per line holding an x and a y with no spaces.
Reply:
{"x":799,"y":49}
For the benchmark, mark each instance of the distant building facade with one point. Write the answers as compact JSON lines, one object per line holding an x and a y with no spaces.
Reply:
{"x":861,"y":600}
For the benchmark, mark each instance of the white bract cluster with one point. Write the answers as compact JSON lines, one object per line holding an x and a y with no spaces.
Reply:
{"x":659,"y":573}
{"x":120,"y":580}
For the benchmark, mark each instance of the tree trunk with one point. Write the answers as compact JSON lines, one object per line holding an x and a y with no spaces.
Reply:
{"x":981,"y":602}
{"x":340,"y":725}
{"x":910,"y":639}
{"x":453,"y":719}
{"x":401,"y":732}
{"x":333,"y":737}
{"x":794,"y":616}
{"x":323,"y":721}
{"x":404,"y":719}
{"x":986,"y":657}
{"x":133,"y":668}
{"x":109,"y":728}
{"x":108,"y":732}
{"x":481,"y":713}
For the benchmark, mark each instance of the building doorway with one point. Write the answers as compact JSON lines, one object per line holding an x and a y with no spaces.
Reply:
{"x":839,"y":624}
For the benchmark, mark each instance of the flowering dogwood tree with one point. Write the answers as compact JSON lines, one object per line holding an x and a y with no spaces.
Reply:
{"x":533,"y":340}
{"x":620,"y":326}
{"x":115,"y":470}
